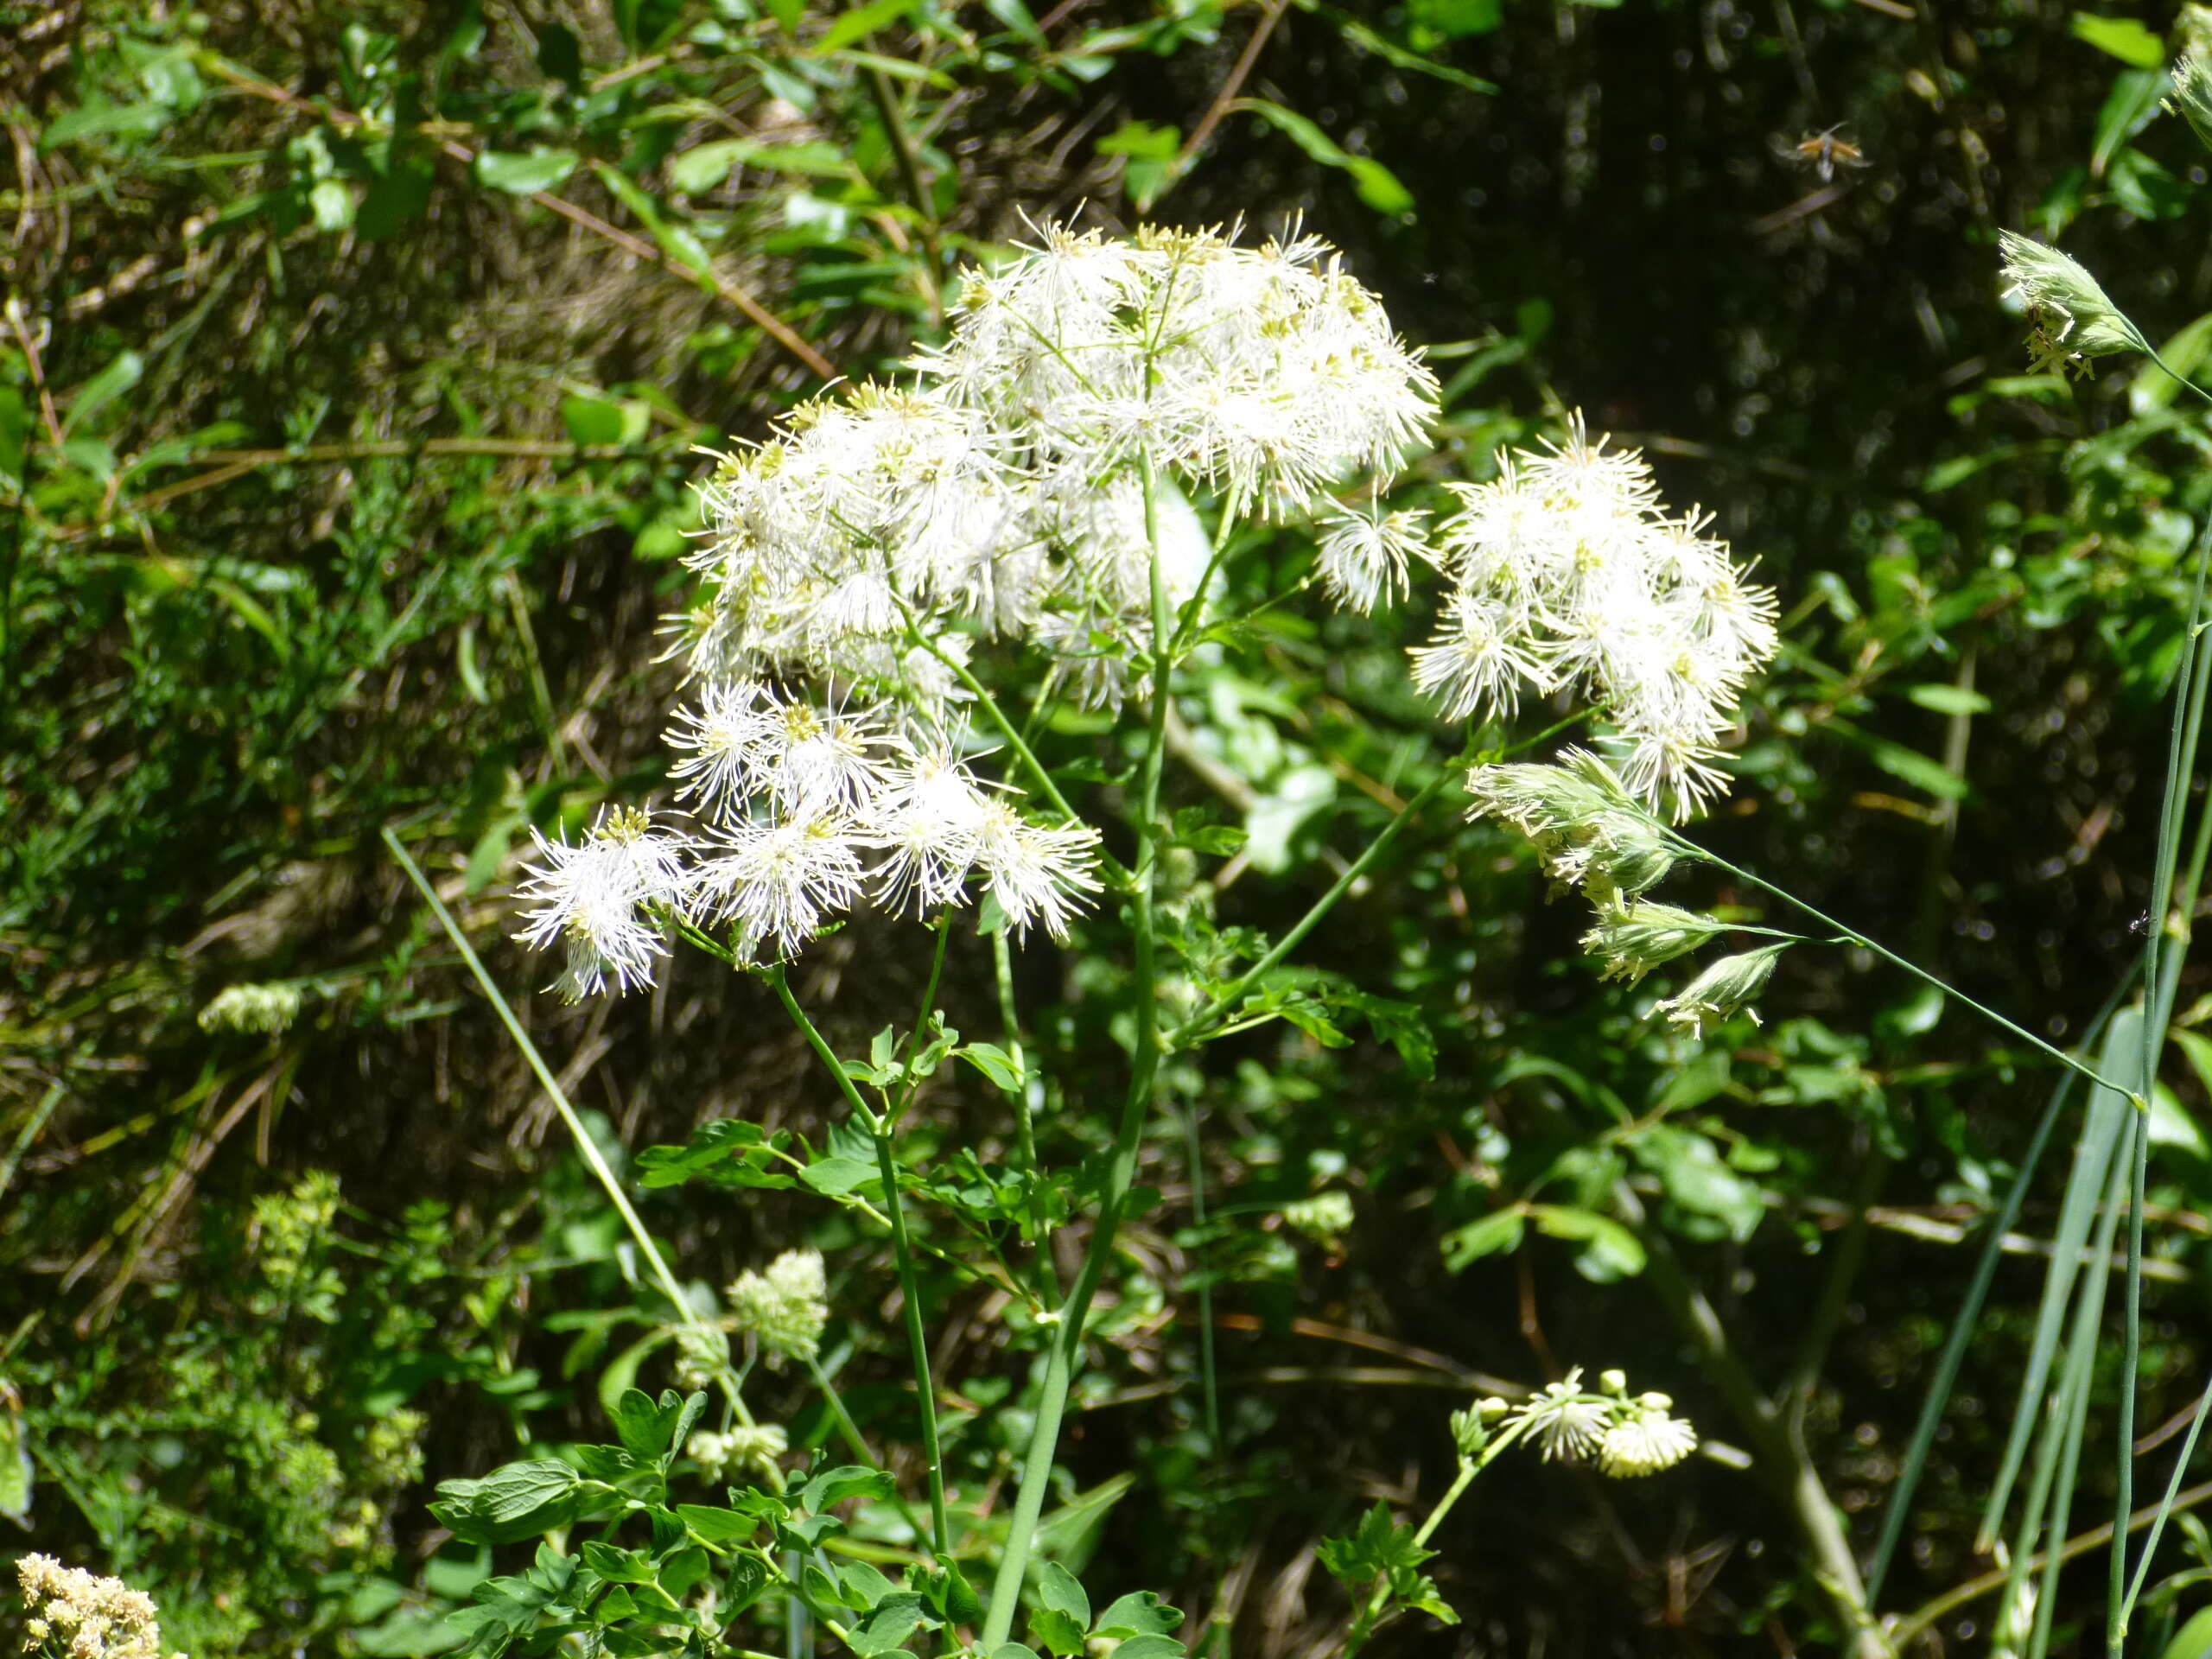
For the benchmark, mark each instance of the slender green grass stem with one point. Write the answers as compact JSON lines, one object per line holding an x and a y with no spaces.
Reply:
{"x":2181,"y":761}
{"x":901,"y":1250}
{"x":1898,"y":1505}
{"x":1847,"y":935}
{"x":2166,"y":1504}
{"x":1229,"y":999}
{"x":585,"y":1145}
{"x":1066,"y":1347}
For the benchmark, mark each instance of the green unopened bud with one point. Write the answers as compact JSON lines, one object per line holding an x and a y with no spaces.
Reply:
{"x":2192,"y":92}
{"x":251,"y":1007}
{"x":1636,"y":938}
{"x":1469,"y":1434}
{"x":786,"y":1308}
{"x":1614,"y":1381}
{"x":701,"y":1355}
{"x":1722,"y":990}
{"x":2068,"y":307}
{"x":1325,"y":1218}
{"x":1492,"y":1407}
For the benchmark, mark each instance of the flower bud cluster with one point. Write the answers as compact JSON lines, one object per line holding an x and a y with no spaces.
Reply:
{"x":1565,"y":573}
{"x":1629,"y":1435}
{"x":266,"y":1008}
{"x":784,"y":1308}
{"x":749,"y":1449}
{"x":70,"y":1611}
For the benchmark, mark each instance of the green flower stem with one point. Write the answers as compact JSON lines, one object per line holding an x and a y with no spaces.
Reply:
{"x":904,"y":1097}
{"x":1220,"y":1004}
{"x":1370,"y":1615}
{"x":1025,"y":1132}
{"x":1195,"y":1163}
{"x":1195,"y":607}
{"x":585,"y":1145}
{"x":848,"y":1431}
{"x":1066,"y":1347}
{"x":901,"y":1250}
{"x":1846,"y":935}
{"x":1038,"y":775}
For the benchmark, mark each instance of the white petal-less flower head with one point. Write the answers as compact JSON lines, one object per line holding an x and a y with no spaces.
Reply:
{"x":1484,"y":654}
{"x":1037,"y":873}
{"x":929,"y":823}
{"x":1364,"y":556}
{"x":1564,"y":1420}
{"x":1263,"y":372}
{"x":598,"y":897}
{"x":781,"y":881}
{"x":722,"y":741}
{"x":1647,"y":1439}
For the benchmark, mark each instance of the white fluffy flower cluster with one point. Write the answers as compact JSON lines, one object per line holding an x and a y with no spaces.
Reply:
{"x":1005,"y":491}
{"x":1630,"y":1435}
{"x":809,"y":809}
{"x":1565,"y":573}
{"x":72,"y":1612}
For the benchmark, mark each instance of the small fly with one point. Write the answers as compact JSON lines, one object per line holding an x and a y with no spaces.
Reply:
{"x":1824,"y":152}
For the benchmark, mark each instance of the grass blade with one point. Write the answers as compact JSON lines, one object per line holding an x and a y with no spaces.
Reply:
{"x":2120,"y":1059}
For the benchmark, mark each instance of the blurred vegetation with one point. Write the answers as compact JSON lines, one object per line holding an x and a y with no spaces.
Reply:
{"x":351,"y":365}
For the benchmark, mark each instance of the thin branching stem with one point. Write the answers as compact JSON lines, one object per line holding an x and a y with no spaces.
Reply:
{"x":901,"y":1248}
{"x":1137,"y":1107}
{"x":1198,"y":1023}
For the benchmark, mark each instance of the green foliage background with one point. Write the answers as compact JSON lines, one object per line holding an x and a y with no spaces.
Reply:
{"x":353,"y":362}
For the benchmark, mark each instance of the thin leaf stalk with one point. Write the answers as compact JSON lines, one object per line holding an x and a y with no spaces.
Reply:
{"x":901,"y":1250}
{"x":1359,"y":866}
